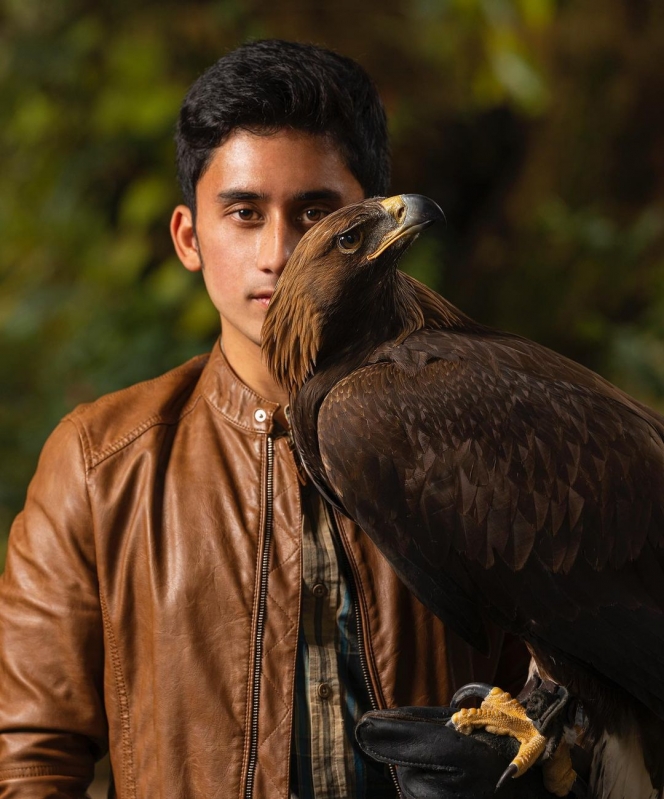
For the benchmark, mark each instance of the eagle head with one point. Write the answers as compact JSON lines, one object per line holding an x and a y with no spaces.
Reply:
{"x":340,"y":287}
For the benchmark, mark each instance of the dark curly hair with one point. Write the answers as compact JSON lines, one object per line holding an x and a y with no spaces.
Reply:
{"x":267,"y":85}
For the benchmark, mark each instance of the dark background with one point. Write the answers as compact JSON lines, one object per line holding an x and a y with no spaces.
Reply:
{"x":538,"y":125}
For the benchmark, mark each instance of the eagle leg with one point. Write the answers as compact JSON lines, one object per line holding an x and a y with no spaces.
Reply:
{"x":499,"y":714}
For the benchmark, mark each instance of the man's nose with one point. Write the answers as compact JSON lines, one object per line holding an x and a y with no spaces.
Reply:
{"x":277,"y":243}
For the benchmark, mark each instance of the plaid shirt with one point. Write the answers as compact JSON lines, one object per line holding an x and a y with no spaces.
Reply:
{"x":330,"y":692}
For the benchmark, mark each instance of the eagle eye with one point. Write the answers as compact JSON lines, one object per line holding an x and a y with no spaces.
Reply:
{"x":350,"y":241}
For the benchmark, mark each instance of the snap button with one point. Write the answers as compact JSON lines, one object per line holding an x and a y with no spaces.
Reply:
{"x":260,"y":415}
{"x":324,"y":690}
{"x":319,"y":590}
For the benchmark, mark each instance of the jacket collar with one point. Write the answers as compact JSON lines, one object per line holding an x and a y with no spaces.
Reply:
{"x":234,"y":400}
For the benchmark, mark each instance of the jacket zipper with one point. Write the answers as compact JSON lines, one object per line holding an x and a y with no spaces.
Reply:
{"x":360,"y":633}
{"x":260,"y":623}
{"x":352,"y":585}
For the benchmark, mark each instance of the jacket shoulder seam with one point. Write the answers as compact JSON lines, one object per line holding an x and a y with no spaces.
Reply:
{"x":83,"y":440}
{"x":93,"y":459}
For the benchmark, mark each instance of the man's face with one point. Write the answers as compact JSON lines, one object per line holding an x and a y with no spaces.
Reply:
{"x":258,"y":197}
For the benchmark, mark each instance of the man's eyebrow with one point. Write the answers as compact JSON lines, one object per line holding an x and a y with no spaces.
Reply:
{"x":237,"y":195}
{"x":233,"y":195}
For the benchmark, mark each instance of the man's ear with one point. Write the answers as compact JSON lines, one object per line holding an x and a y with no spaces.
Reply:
{"x":183,"y":234}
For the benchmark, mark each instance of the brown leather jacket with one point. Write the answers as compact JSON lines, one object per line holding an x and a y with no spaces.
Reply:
{"x":151,"y":595}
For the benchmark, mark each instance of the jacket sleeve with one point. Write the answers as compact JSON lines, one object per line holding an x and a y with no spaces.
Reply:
{"x":52,"y":721}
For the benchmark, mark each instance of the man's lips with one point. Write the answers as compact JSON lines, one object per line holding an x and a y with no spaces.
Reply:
{"x":262,"y":298}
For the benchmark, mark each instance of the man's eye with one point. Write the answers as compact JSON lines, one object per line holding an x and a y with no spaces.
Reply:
{"x":246,"y":214}
{"x":314,"y":214}
{"x":350,"y":241}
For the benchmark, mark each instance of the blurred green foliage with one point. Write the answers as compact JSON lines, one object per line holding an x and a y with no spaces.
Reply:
{"x":537,"y":124}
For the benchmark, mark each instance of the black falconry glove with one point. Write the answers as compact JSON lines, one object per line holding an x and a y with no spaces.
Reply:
{"x":435,"y":761}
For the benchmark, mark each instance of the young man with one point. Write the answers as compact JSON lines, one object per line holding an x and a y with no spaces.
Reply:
{"x":174,"y":591}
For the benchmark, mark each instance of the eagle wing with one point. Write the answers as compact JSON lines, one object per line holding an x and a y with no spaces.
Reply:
{"x":501,"y":480}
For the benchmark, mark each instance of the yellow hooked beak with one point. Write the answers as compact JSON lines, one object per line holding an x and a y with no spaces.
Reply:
{"x":413,"y":213}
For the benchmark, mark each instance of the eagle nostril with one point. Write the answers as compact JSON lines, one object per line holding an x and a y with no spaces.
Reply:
{"x":401,"y":213}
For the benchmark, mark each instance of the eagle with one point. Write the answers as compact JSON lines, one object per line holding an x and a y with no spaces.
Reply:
{"x":503,"y":482}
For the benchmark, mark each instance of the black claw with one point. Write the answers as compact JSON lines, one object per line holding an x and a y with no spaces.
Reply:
{"x":561,"y":701}
{"x":510,"y":771}
{"x":471,"y":691}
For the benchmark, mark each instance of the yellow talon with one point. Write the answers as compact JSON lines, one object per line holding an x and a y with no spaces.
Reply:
{"x":558,"y":773}
{"x":499,"y":714}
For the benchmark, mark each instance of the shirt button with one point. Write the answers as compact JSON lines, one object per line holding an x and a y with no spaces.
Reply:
{"x":324,"y":690}
{"x":260,"y":415}
{"x":319,"y":590}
